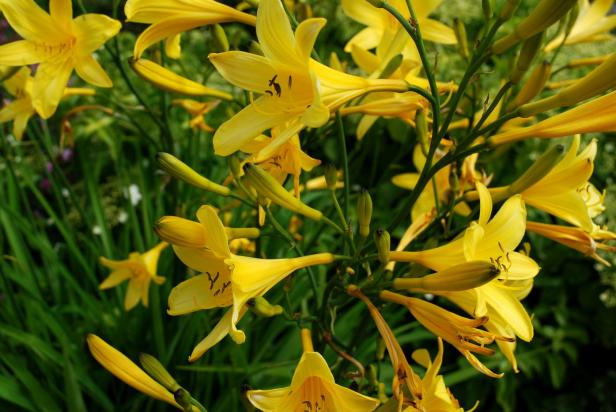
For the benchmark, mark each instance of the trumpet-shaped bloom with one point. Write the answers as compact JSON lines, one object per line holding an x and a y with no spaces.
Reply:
{"x":127,"y":371}
{"x":491,"y":240}
{"x":565,"y":192}
{"x":226,"y":279}
{"x":593,"y":24}
{"x":312,"y":389}
{"x":20,"y":110}
{"x":295,"y":91}
{"x":380,"y":23}
{"x":288,"y":159}
{"x":169,"y":18}
{"x":59,"y":43}
{"x":461,"y":332}
{"x":596,"y":115}
{"x":139,"y":269}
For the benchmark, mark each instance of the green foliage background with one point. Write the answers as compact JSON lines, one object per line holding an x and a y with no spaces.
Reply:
{"x":59,"y":214}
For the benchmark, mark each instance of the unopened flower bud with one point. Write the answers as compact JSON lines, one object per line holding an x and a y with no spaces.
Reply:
{"x":460,"y":32}
{"x":508,"y":9}
{"x":364,"y":213}
{"x":539,"y":169}
{"x":535,"y":83}
{"x":486,"y":6}
{"x":183,"y":398}
{"x":530,"y":48}
{"x":461,"y":277}
{"x":331,"y":176}
{"x":383,"y":245}
{"x":543,"y":16}
{"x":221,"y":43}
{"x":261,"y":307}
{"x":421,"y":128}
{"x":158,"y":372}
{"x":180,"y":232}
{"x":180,"y":170}
{"x":268,"y":187}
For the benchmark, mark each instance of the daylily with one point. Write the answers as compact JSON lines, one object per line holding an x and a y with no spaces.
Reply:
{"x":198,"y":111}
{"x":312,"y":388}
{"x":296,"y":92}
{"x":596,"y":115}
{"x":226,"y":279}
{"x":139,"y":269}
{"x":461,"y":332}
{"x":492,"y":240}
{"x":169,"y":18}
{"x":593,"y":23}
{"x":576,"y":238}
{"x":127,"y":371}
{"x":20,"y":110}
{"x":59,"y":43}
{"x":287,"y":159}
{"x":380,"y":23}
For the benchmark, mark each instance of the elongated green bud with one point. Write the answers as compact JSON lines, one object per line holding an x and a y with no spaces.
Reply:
{"x":157,"y":371}
{"x":331,"y":176}
{"x":530,"y":48}
{"x":183,"y":398}
{"x":543,"y":16}
{"x":261,"y":307}
{"x":486,"y":6}
{"x":364,"y":213}
{"x":460,"y":32}
{"x":537,"y":171}
{"x":392,"y":65}
{"x":221,"y":43}
{"x":601,"y":79}
{"x":461,"y":277}
{"x":508,"y":9}
{"x":178,"y":169}
{"x":535,"y":83}
{"x":382,"y":239}
{"x":268,"y":187}
{"x":421,"y":128}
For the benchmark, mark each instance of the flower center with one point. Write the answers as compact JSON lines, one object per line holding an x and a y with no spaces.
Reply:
{"x":55,"y":50}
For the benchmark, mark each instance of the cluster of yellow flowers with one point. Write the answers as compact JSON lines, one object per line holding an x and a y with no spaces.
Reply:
{"x":486,"y":271}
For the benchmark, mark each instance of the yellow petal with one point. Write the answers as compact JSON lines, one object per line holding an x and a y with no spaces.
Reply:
{"x":246,"y":70}
{"x":363,"y":12}
{"x":201,"y":292}
{"x":292,"y":129}
{"x":366,"y":61}
{"x":346,"y":399}
{"x":124,"y":369}
{"x":202,"y":260}
{"x":274,"y":33}
{"x":150,"y":258}
{"x":133,"y":293}
{"x":115,"y":278}
{"x":20,"y":122}
{"x":306,"y":35}
{"x":268,"y":400}
{"x":62,"y":12}
{"x":216,"y":235}
{"x":245,"y":126}
{"x":48,"y":87}
{"x":405,"y":180}
{"x":221,"y":330}
{"x":367,"y":39}
{"x":16,"y":108}
{"x":173,"y":47}
{"x":311,"y":364}
{"x":93,"y":30}
{"x":437,"y":32}
{"x":569,"y":206}
{"x":91,"y":71}
{"x":508,"y":307}
{"x":506,"y":230}
{"x":519,"y":267}
{"x":485,"y":204}
{"x":364,"y":125}
{"x":19,"y":53}
{"x":29,"y":20}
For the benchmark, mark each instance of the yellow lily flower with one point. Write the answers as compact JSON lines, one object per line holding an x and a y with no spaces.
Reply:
{"x":405,"y":381}
{"x":435,"y":394}
{"x":139,"y":269}
{"x":461,"y":332}
{"x":169,"y":18}
{"x":59,"y":43}
{"x":380,"y":23}
{"x":226,"y":279}
{"x":296,"y":92}
{"x":21,"y":109}
{"x":198,"y":111}
{"x":592,"y":24}
{"x":288,"y":159}
{"x":492,"y":240}
{"x":312,"y":388}
{"x":576,"y":238}
{"x":596,"y":115}
{"x":127,"y":371}
{"x":565,"y":191}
